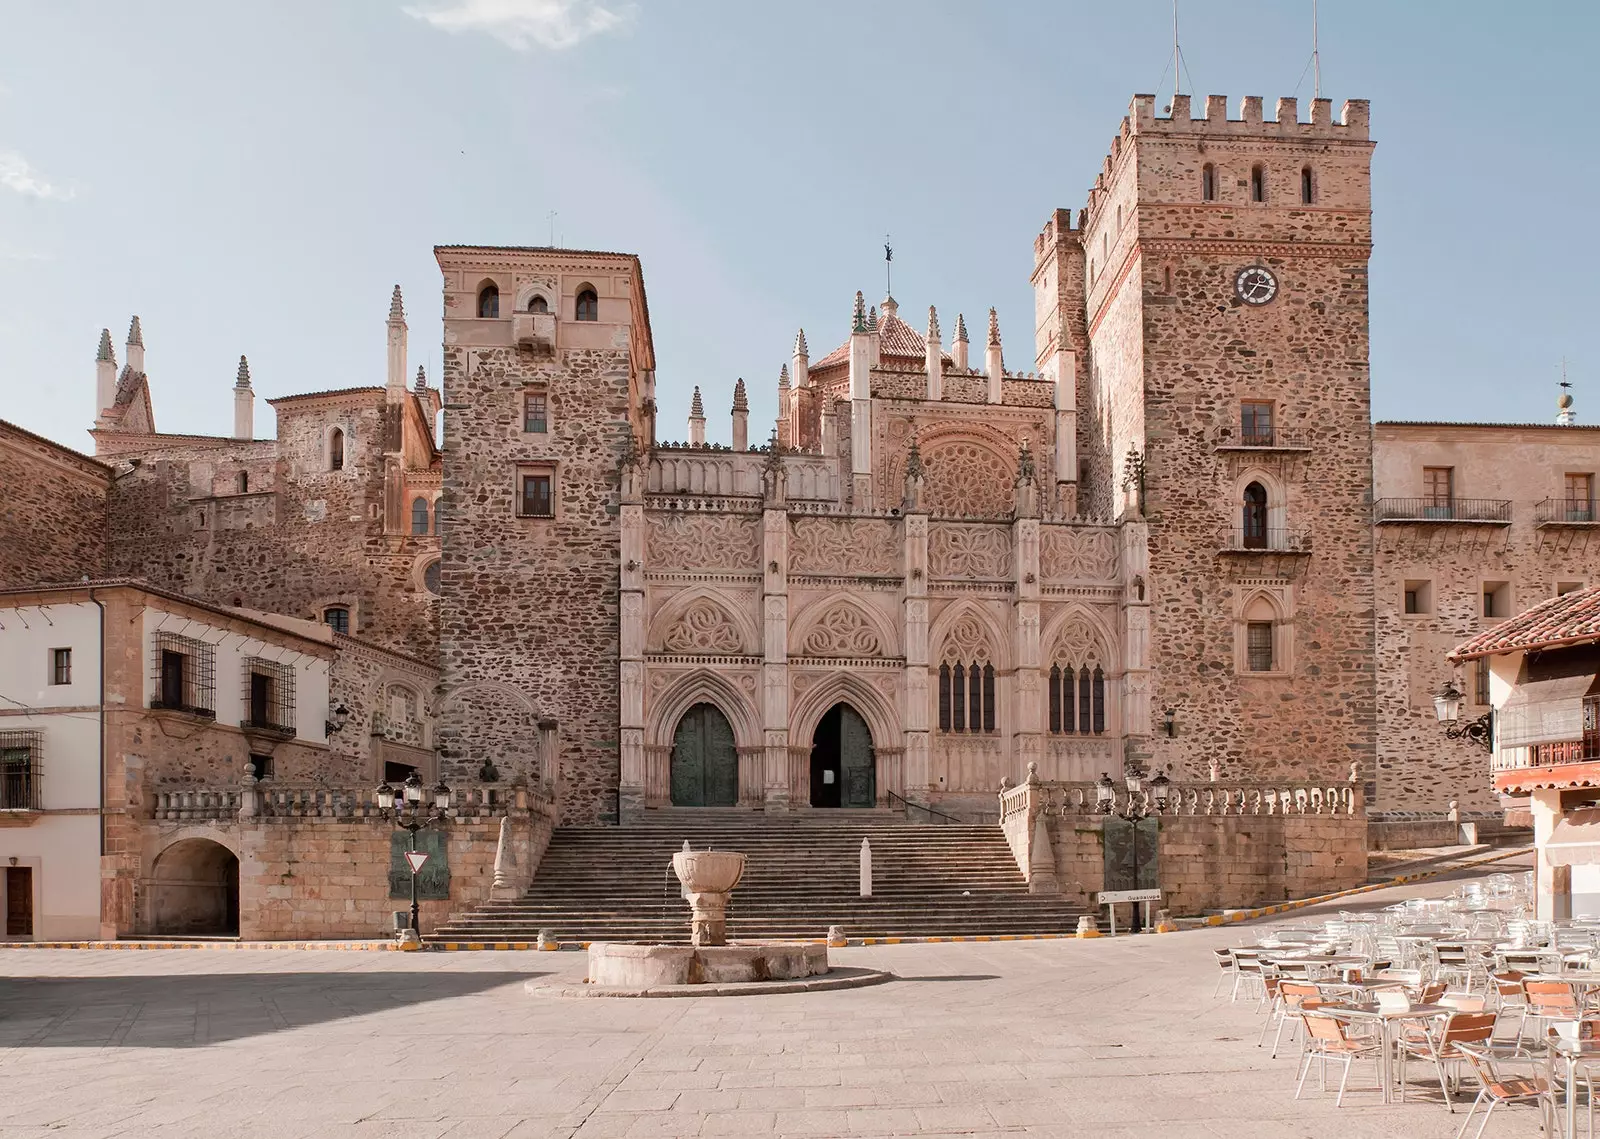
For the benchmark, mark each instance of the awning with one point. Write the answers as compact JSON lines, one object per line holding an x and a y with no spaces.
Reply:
{"x":1546,"y":706}
{"x":1575,"y":841}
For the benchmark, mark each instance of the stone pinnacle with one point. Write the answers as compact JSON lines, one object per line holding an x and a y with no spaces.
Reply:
{"x":696,"y":406}
{"x":135,"y":335}
{"x":105,"y":352}
{"x":396,"y":308}
{"x":994,"y":327}
{"x":244,"y":374}
{"x":741,"y":401}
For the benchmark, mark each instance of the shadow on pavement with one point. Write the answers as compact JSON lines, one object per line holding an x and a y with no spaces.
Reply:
{"x":192,"y":1011}
{"x":952,"y":977}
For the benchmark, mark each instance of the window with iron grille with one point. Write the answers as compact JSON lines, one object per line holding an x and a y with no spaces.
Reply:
{"x":268,"y":695}
{"x":1077,"y":700}
{"x":1258,"y":646}
{"x":19,"y":770}
{"x":1480,"y":681}
{"x":966,"y":697}
{"x":534,"y":498}
{"x":185,"y":676}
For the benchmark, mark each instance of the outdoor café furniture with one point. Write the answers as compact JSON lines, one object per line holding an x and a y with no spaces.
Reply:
{"x":1388,"y":1020}
{"x":1294,"y":999}
{"x":1569,"y":1054}
{"x":1227,"y":972}
{"x":1330,"y":1038}
{"x":1441,"y":1046}
{"x":1552,"y":1000}
{"x":1507,"y":1074}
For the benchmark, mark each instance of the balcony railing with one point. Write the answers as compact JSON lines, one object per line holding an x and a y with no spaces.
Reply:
{"x":1261,"y":439}
{"x":1495,"y":511}
{"x":1565,"y":512}
{"x":1270,"y":540}
{"x":19,"y":785}
{"x":1549,"y":755}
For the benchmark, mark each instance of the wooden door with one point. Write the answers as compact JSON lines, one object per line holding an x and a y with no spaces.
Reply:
{"x":705,"y":763}
{"x":19,"y":901}
{"x":855,"y":760}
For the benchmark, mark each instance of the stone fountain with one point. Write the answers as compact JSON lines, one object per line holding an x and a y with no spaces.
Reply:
{"x":708,"y":877}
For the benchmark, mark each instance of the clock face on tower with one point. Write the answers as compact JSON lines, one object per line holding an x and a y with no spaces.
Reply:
{"x":1255,"y":285}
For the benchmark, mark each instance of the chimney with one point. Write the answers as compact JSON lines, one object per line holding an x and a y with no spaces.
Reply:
{"x":958,"y":349}
{"x":994,"y":361}
{"x":396,"y":386}
{"x":741,"y":417}
{"x":933,"y":359}
{"x":105,"y":375}
{"x":697,"y":420}
{"x":244,"y":403}
{"x":135,"y":346}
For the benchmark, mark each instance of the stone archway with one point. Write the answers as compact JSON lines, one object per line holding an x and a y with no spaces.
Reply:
{"x":194,"y":889}
{"x":843,"y":768}
{"x":704,"y":768}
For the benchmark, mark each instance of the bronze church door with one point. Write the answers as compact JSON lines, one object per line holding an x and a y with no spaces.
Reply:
{"x":842,"y":768}
{"x":705,"y":763}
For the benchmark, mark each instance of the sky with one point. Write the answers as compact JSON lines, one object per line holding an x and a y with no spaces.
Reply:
{"x":254,"y":178}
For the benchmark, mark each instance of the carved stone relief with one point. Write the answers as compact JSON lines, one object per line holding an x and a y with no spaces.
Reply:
{"x":1074,"y":554}
{"x":966,"y":478}
{"x":843,"y":631}
{"x":703,"y":628}
{"x":965,"y":640}
{"x":972,"y":552}
{"x":703,"y":542}
{"x":840,"y":546}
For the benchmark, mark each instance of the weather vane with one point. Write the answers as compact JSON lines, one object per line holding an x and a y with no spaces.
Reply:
{"x":888,"y":262}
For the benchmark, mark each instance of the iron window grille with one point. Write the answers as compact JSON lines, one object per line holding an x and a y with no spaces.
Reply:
{"x":268,"y":696}
{"x":19,"y":770}
{"x":1480,"y":681}
{"x":535,"y":499}
{"x":1077,"y":700}
{"x":1258,"y":646}
{"x":184,"y":672}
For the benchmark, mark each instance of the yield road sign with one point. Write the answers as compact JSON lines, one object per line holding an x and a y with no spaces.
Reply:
{"x":416,"y":858}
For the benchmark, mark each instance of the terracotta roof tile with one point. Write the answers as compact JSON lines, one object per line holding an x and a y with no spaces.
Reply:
{"x":895,"y":338}
{"x":1568,"y":619}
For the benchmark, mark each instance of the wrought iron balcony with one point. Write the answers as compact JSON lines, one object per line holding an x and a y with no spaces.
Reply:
{"x":1261,"y":439}
{"x":1268,"y":540}
{"x":1479,"y":511}
{"x":1565,"y":512}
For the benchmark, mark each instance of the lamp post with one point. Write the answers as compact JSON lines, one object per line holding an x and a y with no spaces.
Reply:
{"x":404,"y":808}
{"x":1136,"y":807}
{"x":1447,"y":707}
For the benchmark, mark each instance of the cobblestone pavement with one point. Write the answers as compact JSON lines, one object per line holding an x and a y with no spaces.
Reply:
{"x":1105,"y":1038}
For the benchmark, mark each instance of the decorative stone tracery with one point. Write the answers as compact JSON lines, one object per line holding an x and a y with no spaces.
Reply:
{"x":848,"y":545}
{"x":977,"y":553}
{"x":703,"y":628}
{"x":967,"y":478}
{"x":843,"y":631}
{"x":1068,"y":553}
{"x":703,"y":542}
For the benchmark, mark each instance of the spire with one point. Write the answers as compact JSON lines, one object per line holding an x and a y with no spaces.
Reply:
{"x":859,"y":320}
{"x":697,"y":420}
{"x":396,"y":308}
{"x":961,"y":328}
{"x":696,"y":405}
{"x":135,"y":336}
{"x":933,"y":324}
{"x":994,"y":327}
{"x":422,"y":380}
{"x":872,"y":319}
{"x":105,"y":353}
{"x":741,"y":401}
{"x":800,"y":344}
{"x":243,"y":381}
{"x":783,"y":378}
{"x":244,"y":403}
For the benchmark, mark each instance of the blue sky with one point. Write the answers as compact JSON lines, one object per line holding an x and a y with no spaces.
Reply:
{"x":253,"y":178}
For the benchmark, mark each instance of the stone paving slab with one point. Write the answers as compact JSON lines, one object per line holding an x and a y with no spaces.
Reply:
{"x":1111,"y":1038}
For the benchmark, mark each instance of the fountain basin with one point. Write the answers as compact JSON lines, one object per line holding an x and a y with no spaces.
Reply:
{"x":708,"y":871}
{"x":618,"y":965}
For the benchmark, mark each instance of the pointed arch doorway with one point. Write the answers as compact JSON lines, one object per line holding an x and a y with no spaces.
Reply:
{"x":705,"y":762}
{"x":843,"y":772}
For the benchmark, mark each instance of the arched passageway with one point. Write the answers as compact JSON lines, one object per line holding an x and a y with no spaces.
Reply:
{"x":843,"y":771}
{"x":195,"y":889}
{"x":705,"y":762}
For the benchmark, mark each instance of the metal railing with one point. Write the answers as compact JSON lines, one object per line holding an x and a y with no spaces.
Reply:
{"x":910,"y":806}
{"x":1263,"y":438}
{"x":1548,"y":755}
{"x":1265,"y":540}
{"x":1442,"y":510}
{"x":1559,"y":511}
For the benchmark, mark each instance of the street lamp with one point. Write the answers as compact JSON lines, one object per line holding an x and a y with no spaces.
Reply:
{"x":404,"y":808}
{"x":1447,"y":707}
{"x":338,"y":717}
{"x":1135,"y":809}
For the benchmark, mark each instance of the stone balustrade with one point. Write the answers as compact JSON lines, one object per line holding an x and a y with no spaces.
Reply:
{"x":1214,"y":799}
{"x":199,"y":805}
{"x":274,"y":800}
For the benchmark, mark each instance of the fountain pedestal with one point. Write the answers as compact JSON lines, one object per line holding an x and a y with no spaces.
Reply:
{"x":708,"y":877}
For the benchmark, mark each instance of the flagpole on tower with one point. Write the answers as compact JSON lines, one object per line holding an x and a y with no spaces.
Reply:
{"x":888,"y":262}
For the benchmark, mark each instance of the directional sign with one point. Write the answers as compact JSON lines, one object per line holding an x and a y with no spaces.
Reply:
{"x":1108,"y":896}
{"x":416,"y":858}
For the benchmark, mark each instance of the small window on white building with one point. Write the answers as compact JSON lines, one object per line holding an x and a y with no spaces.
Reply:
{"x":60,"y":666}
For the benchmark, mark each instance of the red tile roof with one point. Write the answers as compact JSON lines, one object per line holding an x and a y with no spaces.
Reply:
{"x":896,"y":338}
{"x":1565,"y":620}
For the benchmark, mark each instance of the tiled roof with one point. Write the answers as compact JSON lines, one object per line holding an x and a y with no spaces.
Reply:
{"x":1564,"y":620}
{"x":276,"y":400}
{"x":895,"y":338}
{"x":1465,"y":423}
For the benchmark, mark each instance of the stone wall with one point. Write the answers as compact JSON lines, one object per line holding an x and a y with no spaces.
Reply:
{"x":53,"y":514}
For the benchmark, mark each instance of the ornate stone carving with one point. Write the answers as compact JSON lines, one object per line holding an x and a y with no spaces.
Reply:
{"x":1078,"y":643}
{"x":703,"y":628}
{"x":843,"y":545}
{"x":966,"y":640}
{"x":971,"y":552}
{"x":967,"y":478}
{"x":1077,"y":554}
{"x":843,"y":631}
{"x":702,"y":542}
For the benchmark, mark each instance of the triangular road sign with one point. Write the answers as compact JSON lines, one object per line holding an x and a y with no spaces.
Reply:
{"x":416,"y":858}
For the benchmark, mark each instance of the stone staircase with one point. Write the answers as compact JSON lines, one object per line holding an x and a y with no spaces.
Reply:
{"x":605,"y":883}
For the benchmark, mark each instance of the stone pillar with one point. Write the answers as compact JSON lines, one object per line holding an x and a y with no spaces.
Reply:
{"x":105,"y":375}
{"x":916,"y":765}
{"x":741,"y":417}
{"x":775,"y":780}
{"x":994,"y":361}
{"x":395,"y":387}
{"x":1066,"y":457}
{"x":1552,"y":884}
{"x":697,"y":419}
{"x":631,"y":795}
{"x":1135,"y":696}
{"x":1027,"y":744}
{"x":933,"y":358}
{"x":244,"y":403}
{"x":958,"y":348}
{"x":861,"y":342}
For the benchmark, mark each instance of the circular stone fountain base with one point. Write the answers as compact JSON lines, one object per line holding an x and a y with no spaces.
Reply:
{"x":617,"y":969}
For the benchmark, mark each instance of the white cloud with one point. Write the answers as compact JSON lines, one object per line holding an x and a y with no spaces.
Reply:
{"x":522,"y":24}
{"x":25,"y":255}
{"x":17,"y":175}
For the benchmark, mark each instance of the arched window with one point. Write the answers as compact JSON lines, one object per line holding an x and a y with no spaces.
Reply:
{"x":966,"y":696}
{"x":1166,"y":278}
{"x":1258,"y":184}
{"x":1261,"y":650}
{"x":337,"y":617}
{"x":336,"y":449}
{"x":1253,"y":518}
{"x":419,"y":516}
{"x":489,"y":300}
{"x":1077,"y":698}
{"x":1305,"y":185}
{"x":430,"y":577}
{"x":244,"y":482}
{"x":536,"y":303}
{"x":1208,"y":183}
{"x":587,"y":306}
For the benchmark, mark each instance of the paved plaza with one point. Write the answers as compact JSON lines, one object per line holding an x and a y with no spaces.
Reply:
{"x":1106,"y":1038}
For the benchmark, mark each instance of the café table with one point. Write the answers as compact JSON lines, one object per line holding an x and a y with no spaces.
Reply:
{"x":1386,"y":1020}
{"x":1572,"y":1053}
